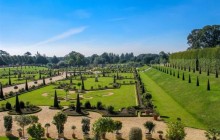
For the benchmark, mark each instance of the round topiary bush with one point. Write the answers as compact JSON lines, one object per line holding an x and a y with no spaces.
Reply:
{"x":87,"y":105}
{"x":8,"y":106}
{"x":135,"y":133}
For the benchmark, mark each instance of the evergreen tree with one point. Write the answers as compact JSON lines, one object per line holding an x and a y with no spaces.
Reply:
{"x":9,"y":80}
{"x":208,"y":72}
{"x":189,"y":78}
{"x":71,"y":80}
{"x":197,"y":81}
{"x":183,"y":76}
{"x":78,"y":108}
{"x":178,"y":74}
{"x":143,"y":88}
{"x":44,"y":81}
{"x":189,"y":69}
{"x":174,"y":73}
{"x":39,"y":74}
{"x":1,"y":92}
{"x":55,"y":102}
{"x":83,"y":87}
{"x":208,"y":85}
{"x":114,"y":80}
{"x":26,"y":85}
{"x":200,"y":70}
{"x":17,"y":104}
{"x":216,"y":74}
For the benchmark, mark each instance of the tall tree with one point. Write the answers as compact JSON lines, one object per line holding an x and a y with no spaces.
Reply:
{"x":1,"y":92}
{"x":55,"y":102}
{"x":26,"y":85}
{"x":78,"y":108}
{"x":17,"y":105}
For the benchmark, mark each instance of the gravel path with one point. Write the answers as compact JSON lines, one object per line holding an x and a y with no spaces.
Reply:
{"x":47,"y":80}
{"x":46,"y":116}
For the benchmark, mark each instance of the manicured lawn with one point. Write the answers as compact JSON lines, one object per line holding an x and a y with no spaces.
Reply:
{"x":177,"y":98}
{"x":123,"y":97}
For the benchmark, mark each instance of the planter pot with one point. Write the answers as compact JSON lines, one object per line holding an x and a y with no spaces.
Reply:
{"x":103,"y":135}
{"x":74,"y":135}
{"x":148,"y":136}
{"x":118,"y":136}
{"x":155,"y":117}
{"x":161,"y":137}
{"x":86,"y":136}
{"x":61,"y":135}
{"x":8,"y":133}
{"x":48,"y":135}
{"x":20,"y":134}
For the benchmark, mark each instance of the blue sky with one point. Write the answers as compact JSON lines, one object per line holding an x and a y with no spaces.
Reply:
{"x":56,"y":27}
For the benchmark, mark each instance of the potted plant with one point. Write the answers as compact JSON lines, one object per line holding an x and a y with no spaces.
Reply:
{"x":73,"y":127}
{"x":156,"y":114}
{"x":85,"y":127}
{"x":160,"y":134}
{"x":117,"y":127}
{"x":150,"y":126}
{"x":19,"y":132}
{"x":8,"y":125}
{"x":47,"y":125}
{"x":59,"y":120}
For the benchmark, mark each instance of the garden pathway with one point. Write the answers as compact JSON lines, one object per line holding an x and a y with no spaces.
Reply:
{"x":46,"y":116}
{"x":47,"y":80}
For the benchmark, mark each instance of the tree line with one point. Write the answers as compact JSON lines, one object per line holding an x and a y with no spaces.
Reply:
{"x":78,"y":59}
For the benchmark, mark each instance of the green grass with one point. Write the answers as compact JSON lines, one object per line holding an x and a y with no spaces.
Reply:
{"x":200,"y":106}
{"x":123,"y":97}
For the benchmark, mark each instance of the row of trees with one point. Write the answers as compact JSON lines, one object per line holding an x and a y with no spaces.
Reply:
{"x":205,"y":59}
{"x":78,"y":59}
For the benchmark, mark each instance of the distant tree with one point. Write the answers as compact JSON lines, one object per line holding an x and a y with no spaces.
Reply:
{"x":83,"y":87}
{"x":208,"y":85}
{"x":189,"y":79}
{"x":197,"y":81}
{"x":27,"y":53}
{"x":54,"y":60}
{"x":206,"y":37}
{"x":26,"y":85}
{"x":55,"y":102}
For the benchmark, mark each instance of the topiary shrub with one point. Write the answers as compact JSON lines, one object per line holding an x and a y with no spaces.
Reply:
{"x":36,"y":131}
{"x":22,"y":105}
{"x":99,"y":105}
{"x":110,"y":109}
{"x":175,"y":131}
{"x":135,"y":133}
{"x":87,"y":105}
{"x":8,"y":106}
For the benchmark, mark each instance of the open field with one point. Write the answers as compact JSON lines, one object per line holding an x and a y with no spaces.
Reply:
{"x":200,"y":106}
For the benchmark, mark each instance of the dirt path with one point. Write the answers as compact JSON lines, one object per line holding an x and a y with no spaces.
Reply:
{"x":47,"y":80}
{"x":46,"y":116}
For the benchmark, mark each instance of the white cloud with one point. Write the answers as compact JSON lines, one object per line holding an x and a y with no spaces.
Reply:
{"x":61,"y":36}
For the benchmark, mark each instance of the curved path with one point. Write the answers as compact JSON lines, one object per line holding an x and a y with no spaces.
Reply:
{"x":47,"y":80}
{"x":46,"y":116}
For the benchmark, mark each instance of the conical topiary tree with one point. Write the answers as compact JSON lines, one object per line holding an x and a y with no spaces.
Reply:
{"x":26,"y":85}
{"x":216,"y":74}
{"x":208,"y":85}
{"x":183,"y":76}
{"x":78,"y":108}
{"x":178,"y":74}
{"x":9,"y":80}
{"x":71,"y":80}
{"x":44,"y":81}
{"x":189,"y":79}
{"x":208,"y":72}
{"x":83,"y":87}
{"x":1,"y":92}
{"x":197,"y":81}
{"x":55,"y":102}
{"x":17,"y":105}
{"x":200,"y":70}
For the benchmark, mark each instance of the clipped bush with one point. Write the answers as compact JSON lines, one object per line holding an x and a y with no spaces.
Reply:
{"x":36,"y":131}
{"x":110,"y":109}
{"x":87,"y":105}
{"x":8,"y":106}
{"x":175,"y":131}
{"x":8,"y":122}
{"x":135,"y":133}
{"x":22,"y":105}
{"x":99,"y":105}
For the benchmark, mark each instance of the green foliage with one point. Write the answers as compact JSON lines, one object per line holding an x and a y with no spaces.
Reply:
{"x":99,"y":105}
{"x":1,"y":92}
{"x":175,"y":131}
{"x":8,"y":106}
{"x":212,"y":134}
{"x":17,"y":104}
{"x":117,"y":126}
{"x":103,"y":125}
{"x":23,"y":121}
{"x":110,"y":109}
{"x":8,"y":122}
{"x":36,"y":131}
{"x":135,"y":133}
{"x":87,"y":105}
{"x":147,"y":96}
{"x":150,"y":126}
{"x":85,"y":125}
{"x":78,"y":107}
{"x":55,"y":102}
{"x":59,"y":120}
{"x":208,"y":85}
{"x":34,"y":119}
